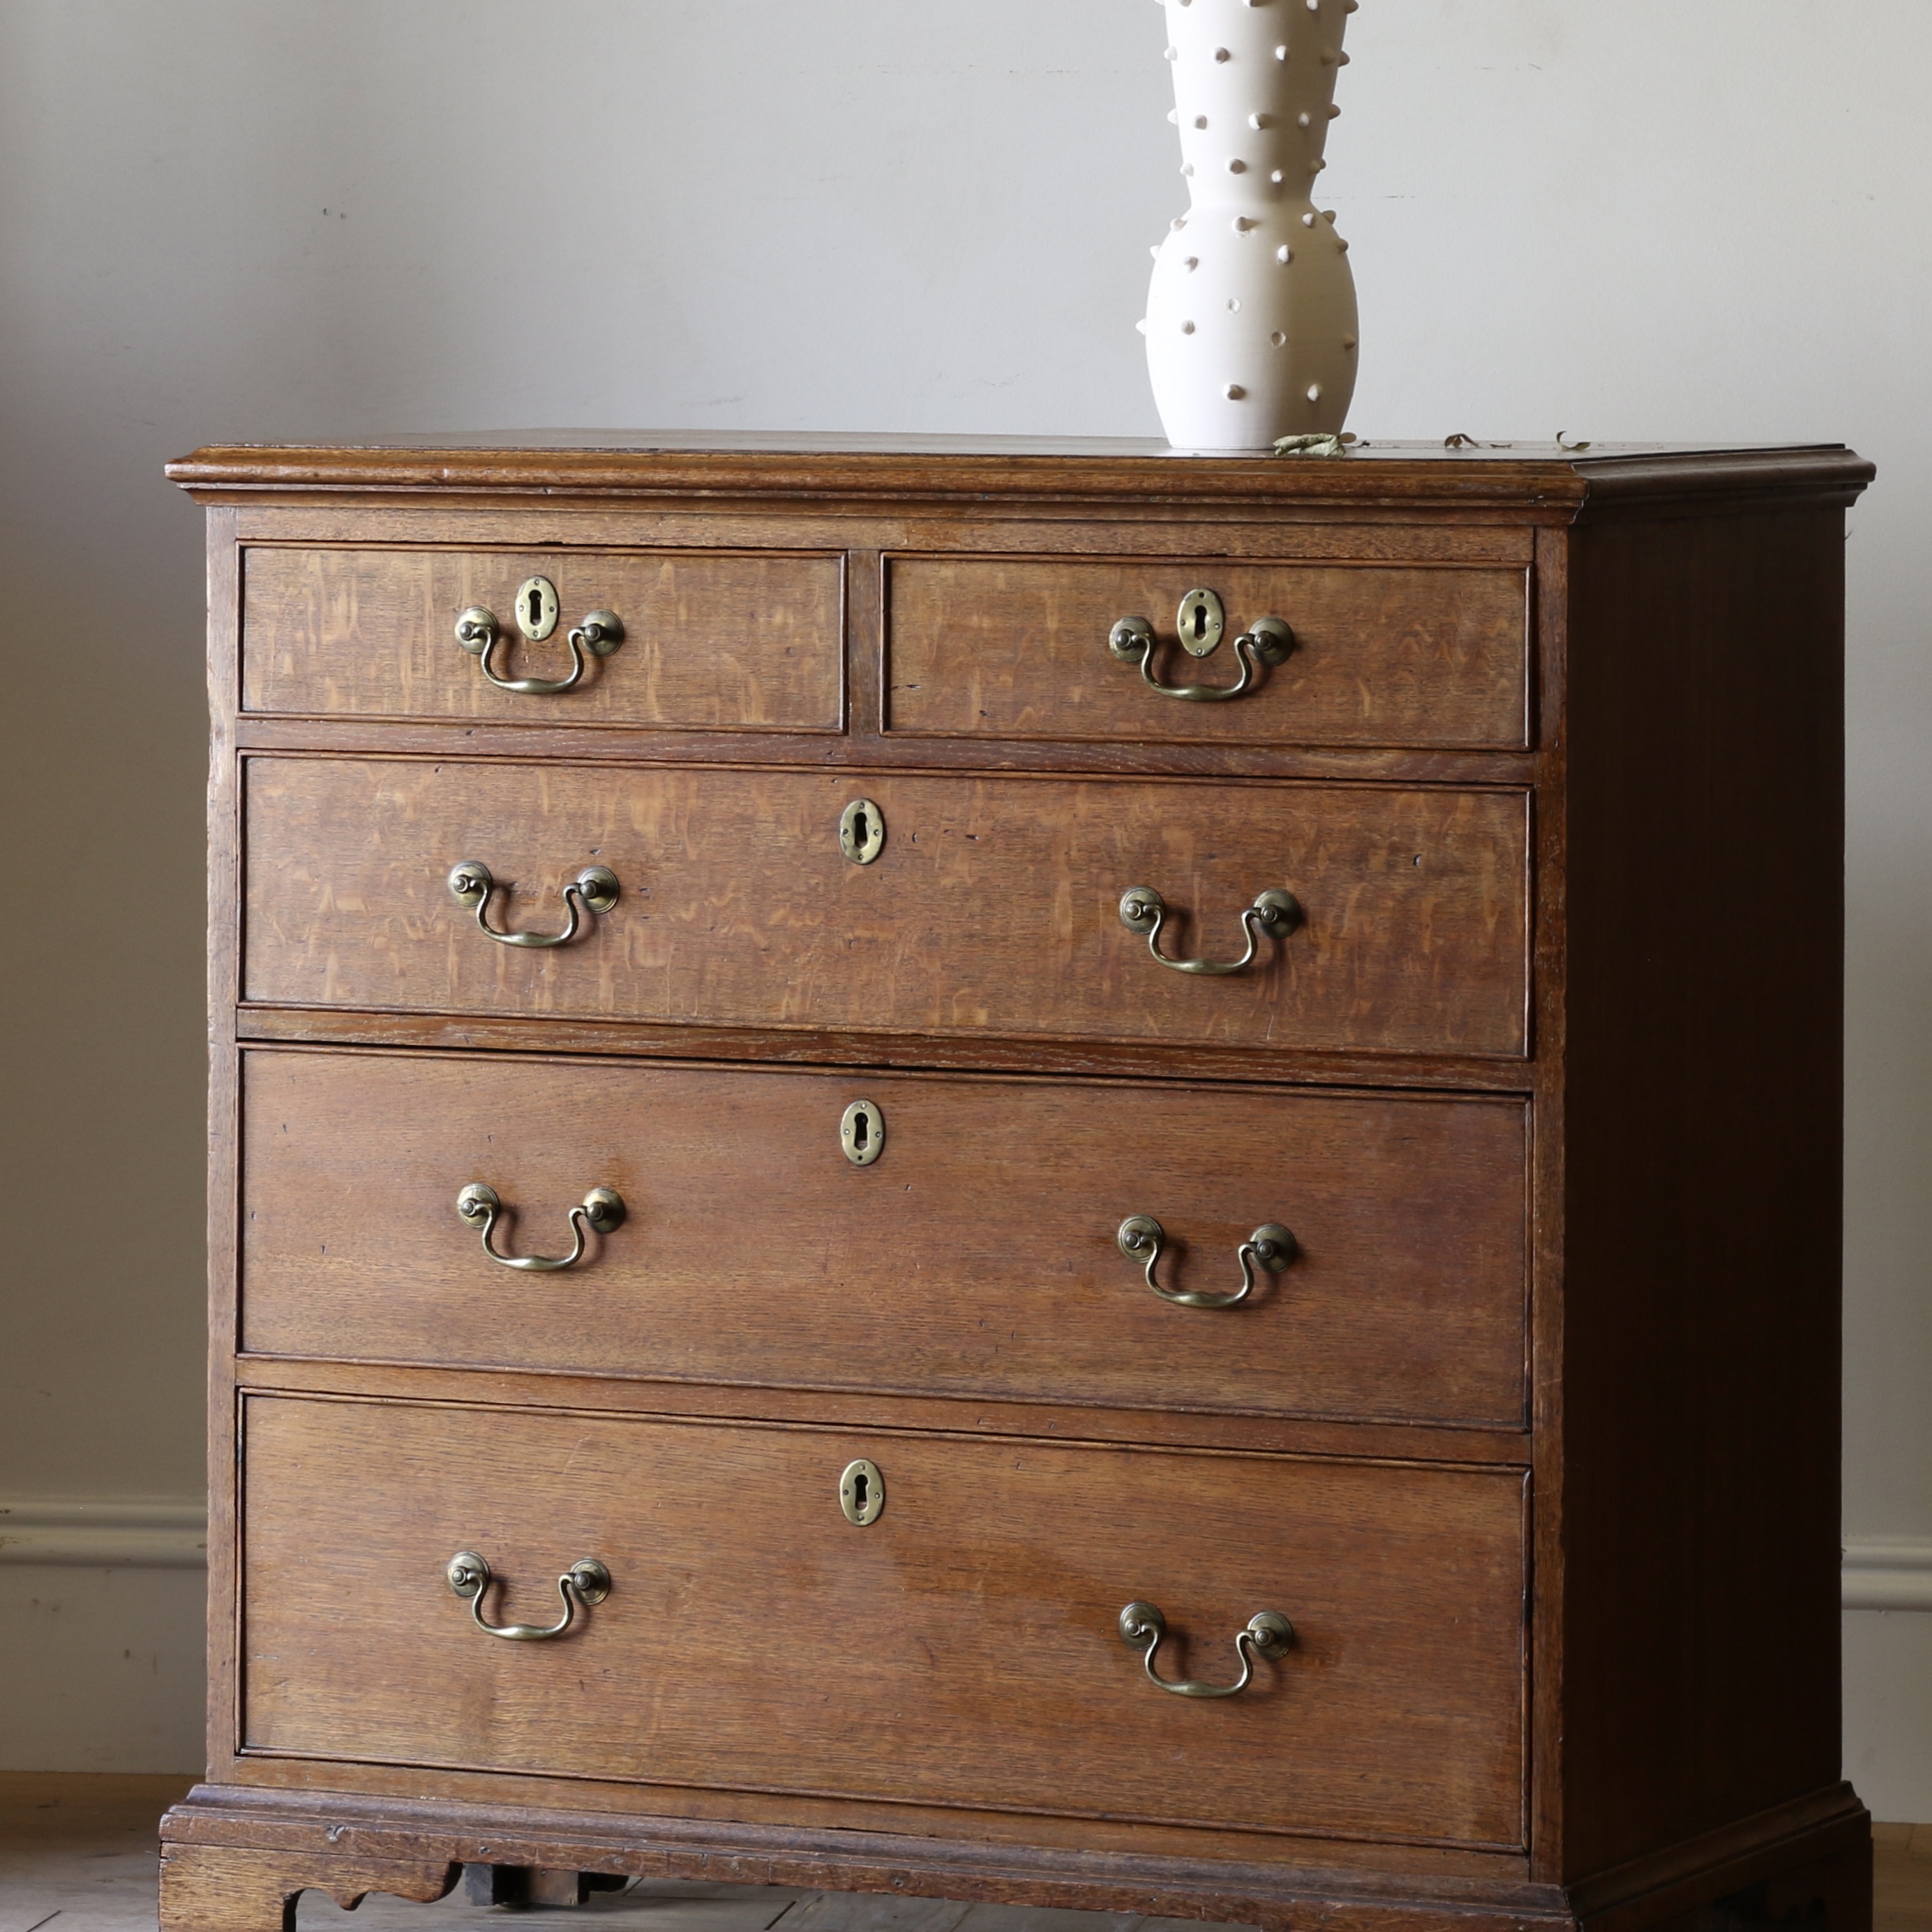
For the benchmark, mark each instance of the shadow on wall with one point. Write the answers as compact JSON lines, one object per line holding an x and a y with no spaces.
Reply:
{"x":101,"y":1140}
{"x":101,"y":1060}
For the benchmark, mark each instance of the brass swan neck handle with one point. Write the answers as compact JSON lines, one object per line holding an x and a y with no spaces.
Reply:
{"x":1142,"y":1239}
{"x":1132,"y":642}
{"x":600,"y":634}
{"x":478,"y":1206}
{"x":1269,"y":1634}
{"x":1275,"y":913}
{"x":584,"y":1583}
{"x":594,"y":889}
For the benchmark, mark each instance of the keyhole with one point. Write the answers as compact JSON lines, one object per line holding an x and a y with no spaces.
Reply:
{"x":861,"y":1493}
{"x":862,"y":831}
{"x":862,"y":1133}
{"x":535,"y":607}
{"x":1200,"y":622}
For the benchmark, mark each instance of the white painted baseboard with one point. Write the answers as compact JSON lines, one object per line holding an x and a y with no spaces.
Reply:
{"x":1886,"y":1573}
{"x":101,"y":1603}
{"x":83,"y":1533}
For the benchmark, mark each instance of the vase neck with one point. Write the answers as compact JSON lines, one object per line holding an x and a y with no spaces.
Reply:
{"x":1254,"y":90}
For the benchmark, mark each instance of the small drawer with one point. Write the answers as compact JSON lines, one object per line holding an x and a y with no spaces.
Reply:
{"x":965,"y":1648}
{"x":711,"y":640}
{"x":958,"y":1237}
{"x":989,"y":906}
{"x":1427,"y":656}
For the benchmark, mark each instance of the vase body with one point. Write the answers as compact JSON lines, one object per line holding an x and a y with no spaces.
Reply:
{"x":1251,"y":323}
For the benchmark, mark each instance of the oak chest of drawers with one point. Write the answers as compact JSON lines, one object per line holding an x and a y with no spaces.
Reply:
{"x":1030,"y":1172}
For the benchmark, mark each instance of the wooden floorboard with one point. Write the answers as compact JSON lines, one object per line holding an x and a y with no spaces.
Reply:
{"x":1902,"y":1878}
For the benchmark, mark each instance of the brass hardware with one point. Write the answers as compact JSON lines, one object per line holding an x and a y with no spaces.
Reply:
{"x":536,"y":608}
{"x":862,"y":1133}
{"x":600,"y":634}
{"x":1142,"y":1238}
{"x":479,"y":1206}
{"x":1131,"y":641}
{"x":587,"y":1582}
{"x":1268,"y":1634}
{"x":1201,"y":620}
{"x":861,"y":1493}
{"x":862,"y":831}
{"x":595,"y":888}
{"x":1276,"y":914}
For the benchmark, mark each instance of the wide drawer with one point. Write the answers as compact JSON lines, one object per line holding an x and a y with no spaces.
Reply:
{"x":994,"y":907}
{"x":1393,"y":655}
{"x":712,"y":640}
{"x":965,"y":1649}
{"x":978,"y":1254}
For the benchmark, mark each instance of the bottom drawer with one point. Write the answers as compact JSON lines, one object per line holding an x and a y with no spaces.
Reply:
{"x":963,"y":1649}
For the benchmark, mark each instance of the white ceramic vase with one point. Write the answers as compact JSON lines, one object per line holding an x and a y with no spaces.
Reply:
{"x":1251,"y":322}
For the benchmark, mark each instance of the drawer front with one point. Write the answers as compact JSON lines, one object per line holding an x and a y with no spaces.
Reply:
{"x":963,"y":1650}
{"x":994,"y":907}
{"x":711,"y":641}
{"x":1406,"y":655}
{"x":977,"y":1255}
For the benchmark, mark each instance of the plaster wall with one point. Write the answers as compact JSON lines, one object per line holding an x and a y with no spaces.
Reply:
{"x":253,"y":219}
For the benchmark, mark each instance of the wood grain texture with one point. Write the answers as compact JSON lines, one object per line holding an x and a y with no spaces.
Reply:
{"x":963,"y":1649}
{"x":712,"y":640}
{"x":857,"y":750}
{"x":990,"y":526}
{"x":997,"y":1843}
{"x":233,"y":1888}
{"x":1797,"y":1863}
{"x":1806,"y":1861}
{"x":1700,"y":1387}
{"x":972,"y":1416}
{"x":801,"y":1046}
{"x":1669,"y":1034}
{"x":224,"y":1164}
{"x":995,"y":909}
{"x":1119,"y":475}
{"x":977,"y":1256}
{"x":1552,"y":580}
{"x":1016,"y":648}
{"x":892,"y":1864}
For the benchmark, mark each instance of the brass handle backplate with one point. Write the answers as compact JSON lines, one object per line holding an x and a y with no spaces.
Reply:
{"x":479,"y":633}
{"x":1276,"y":914}
{"x":595,"y":888}
{"x":479,"y":1206}
{"x":1141,"y":1239}
{"x":586,"y":1583}
{"x":1199,"y":625}
{"x":1269,"y":1634}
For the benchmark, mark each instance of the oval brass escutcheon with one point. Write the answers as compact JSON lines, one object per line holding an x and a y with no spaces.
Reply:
{"x":862,"y":1133}
{"x":1201,"y":620}
{"x":862,"y":831}
{"x":536,"y":608}
{"x":861,"y":1493}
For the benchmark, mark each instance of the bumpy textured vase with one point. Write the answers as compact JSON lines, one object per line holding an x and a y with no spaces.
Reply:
{"x":1251,"y":321}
